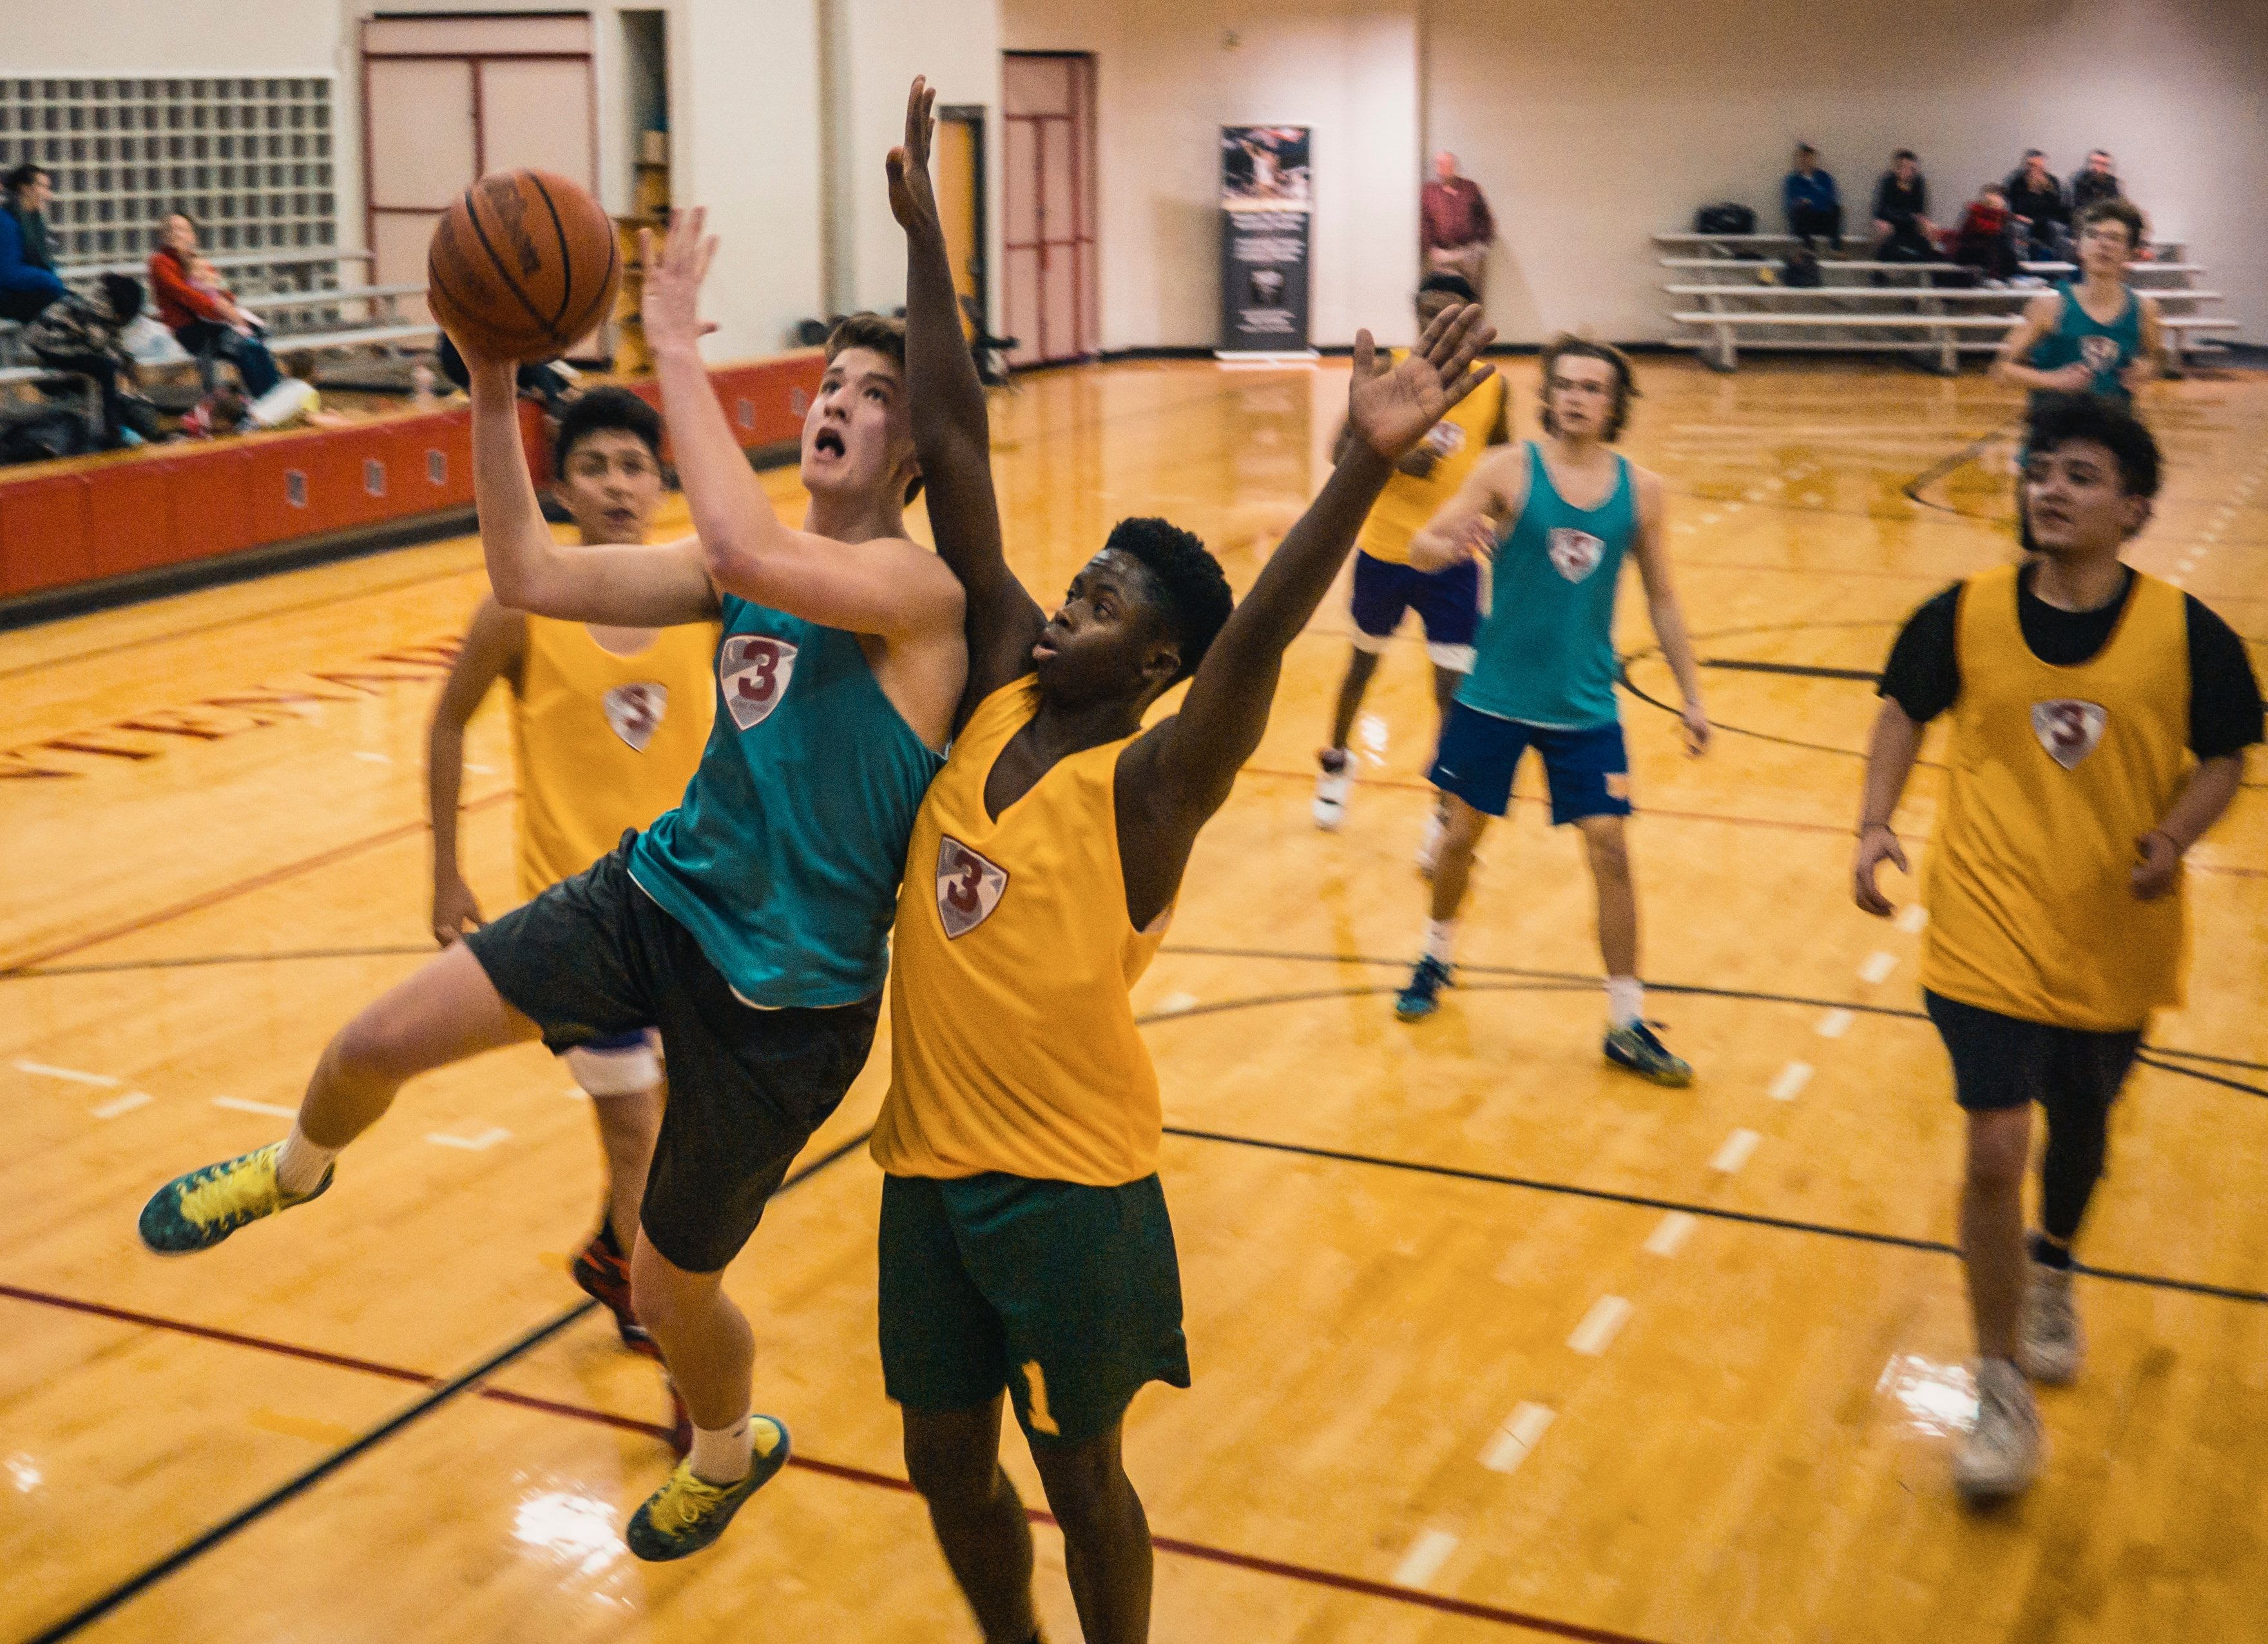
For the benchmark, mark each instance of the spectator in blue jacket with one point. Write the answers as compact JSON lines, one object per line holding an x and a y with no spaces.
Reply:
{"x":1809,"y":199}
{"x":28,"y":282}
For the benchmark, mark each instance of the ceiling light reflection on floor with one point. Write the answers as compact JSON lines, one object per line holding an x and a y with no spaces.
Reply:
{"x":1939,"y":1399}
{"x":577,"y":1529}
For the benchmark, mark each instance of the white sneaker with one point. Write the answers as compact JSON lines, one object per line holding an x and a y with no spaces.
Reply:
{"x":1429,"y":848}
{"x":2001,"y":1455}
{"x":2052,"y":1345}
{"x":1331,"y":789}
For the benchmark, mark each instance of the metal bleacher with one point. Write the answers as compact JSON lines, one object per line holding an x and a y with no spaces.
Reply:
{"x":1728,"y":293}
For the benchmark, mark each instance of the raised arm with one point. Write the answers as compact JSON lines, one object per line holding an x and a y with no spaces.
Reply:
{"x":886,"y":586}
{"x":1668,"y":617}
{"x":951,"y":431}
{"x":627,"y":584}
{"x":494,"y":649}
{"x":1192,"y":759}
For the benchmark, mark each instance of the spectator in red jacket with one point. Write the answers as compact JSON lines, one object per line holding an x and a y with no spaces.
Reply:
{"x":207,"y":323}
{"x":1454,"y":224}
{"x":1986,"y":238}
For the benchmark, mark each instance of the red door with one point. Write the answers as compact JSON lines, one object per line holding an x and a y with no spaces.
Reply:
{"x":1050,"y":283}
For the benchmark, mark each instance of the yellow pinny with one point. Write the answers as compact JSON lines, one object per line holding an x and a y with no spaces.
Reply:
{"x":1013,"y":1042}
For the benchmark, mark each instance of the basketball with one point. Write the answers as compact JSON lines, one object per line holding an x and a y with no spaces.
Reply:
{"x":522,"y":265}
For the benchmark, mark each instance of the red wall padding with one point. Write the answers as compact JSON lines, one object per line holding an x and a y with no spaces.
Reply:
{"x":84,"y":518}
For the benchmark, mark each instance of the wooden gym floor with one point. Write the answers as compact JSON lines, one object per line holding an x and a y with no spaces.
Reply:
{"x":1490,"y":1342}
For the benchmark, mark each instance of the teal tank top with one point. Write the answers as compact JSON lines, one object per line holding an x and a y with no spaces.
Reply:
{"x":784,"y":857}
{"x":2078,"y":336}
{"x":1545,"y":653}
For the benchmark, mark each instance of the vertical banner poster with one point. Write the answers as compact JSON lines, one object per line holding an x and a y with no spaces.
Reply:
{"x":1266,"y":200}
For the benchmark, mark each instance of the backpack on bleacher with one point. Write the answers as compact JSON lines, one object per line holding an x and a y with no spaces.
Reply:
{"x":1726,"y":217}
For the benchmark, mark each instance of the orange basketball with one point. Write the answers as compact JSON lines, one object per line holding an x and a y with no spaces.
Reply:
{"x":523,"y":264}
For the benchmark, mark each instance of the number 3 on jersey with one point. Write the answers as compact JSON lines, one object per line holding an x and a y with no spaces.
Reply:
{"x":754,"y":672}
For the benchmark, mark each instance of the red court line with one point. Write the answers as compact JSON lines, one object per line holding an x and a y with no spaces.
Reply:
{"x":1203,"y":1551}
{"x":257,"y":882}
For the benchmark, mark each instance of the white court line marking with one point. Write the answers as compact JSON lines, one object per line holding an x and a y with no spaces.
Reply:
{"x":1600,"y":1325}
{"x":1174,"y":1004}
{"x":1877,"y":967}
{"x":240,"y":1104}
{"x":1756,"y":493}
{"x":1836,"y":1022}
{"x":1668,"y":1235}
{"x":1521,"y":1432}
{"x":1738,"y":1148}
{"x":481,"y":770}
{"x":1708,"y":519}
{"x":576,"y":1093}
{"x":125,"y":1103}
{"x":1912,"y":917}
{"x":1424,"y":1560}
{"x":374,"y":759}
{"x":1791,"y":1082}
{"x":72,"y":1073}
{"x":481,"y":1143}
{"x":2175,"y":580}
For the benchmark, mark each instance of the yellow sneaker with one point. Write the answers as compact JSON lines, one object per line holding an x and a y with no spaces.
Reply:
{"x":197,"y":1211}
{"x":688,"y":1512}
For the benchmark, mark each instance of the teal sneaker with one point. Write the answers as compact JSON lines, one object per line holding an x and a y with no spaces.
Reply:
{"x":688,"y":1512}
{"x":1423,"y":997}
{"x":196,"y":1211}
{"x":1636,"y":1048}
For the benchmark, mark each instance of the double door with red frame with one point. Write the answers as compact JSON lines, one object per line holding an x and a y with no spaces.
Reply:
{"x":1050,"y":286}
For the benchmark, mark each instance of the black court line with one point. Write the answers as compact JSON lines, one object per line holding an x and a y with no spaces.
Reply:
{"x":1961,"y":459}
{"x":1711,"y":1213}
{"x":1801,"y":670}
{"x":154,"y":1573}
{"x":193,"y":960}
{"x":1696,"y":990}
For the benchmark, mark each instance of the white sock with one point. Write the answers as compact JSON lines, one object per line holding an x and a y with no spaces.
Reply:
{"x":299,"y":1168}
{"x":1440,"y":938}
{"x":723,"y":1455}
{"x":1625,"y":999}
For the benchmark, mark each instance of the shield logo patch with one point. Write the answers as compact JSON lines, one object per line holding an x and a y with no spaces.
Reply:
{"x":2069,"y":729}
{"x":2100,"y":353}
{"x":754,"y":671}
{"x":1574,"y":554}
{"x":635,"y":711}
{"x":968,"y":887}
{"x":1445,"y":438}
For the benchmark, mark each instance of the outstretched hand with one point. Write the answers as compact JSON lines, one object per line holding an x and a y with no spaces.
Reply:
{"x":912,"y":201}
{"x":1391,"y":406}
{"x":672,"y":307}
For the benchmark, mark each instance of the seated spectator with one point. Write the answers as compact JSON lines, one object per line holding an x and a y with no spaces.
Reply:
{"x":2096,"y":184}
{"x":209,"y":323}
{"x":1986,"y":238}
{"x":550,"y":385}
{"x":85,"y":336}
{"x":28,"y":280}
{"x":1808,"y":197}
{"x":1903,"y":231}
{"x":2042,"y":214}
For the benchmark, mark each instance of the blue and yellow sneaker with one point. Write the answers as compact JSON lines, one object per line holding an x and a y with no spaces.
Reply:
{"x":1423,"y":996}
{"x":688,"y":1512}
{"x":197,"y":1211}
{"x":1636,"y":1048}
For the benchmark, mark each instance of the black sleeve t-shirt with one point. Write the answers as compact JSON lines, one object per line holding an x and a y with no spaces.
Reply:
{"x":1924,"y":674}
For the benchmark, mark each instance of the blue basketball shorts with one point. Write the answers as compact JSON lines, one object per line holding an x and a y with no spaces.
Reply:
{"x":1447,"y":602}
{"x":1589,"y":768}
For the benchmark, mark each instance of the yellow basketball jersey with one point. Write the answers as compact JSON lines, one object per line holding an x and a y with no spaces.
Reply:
{"x":2054,"y":774}
{"x":1406,"y":506}
{"x":1013,"y":1043}
{"x":604,"y":743}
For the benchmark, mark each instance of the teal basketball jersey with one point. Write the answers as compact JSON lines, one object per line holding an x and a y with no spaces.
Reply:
{"x":1545,"y":653}
{"x":2079,"y":337}
{"x":784,"y":857}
